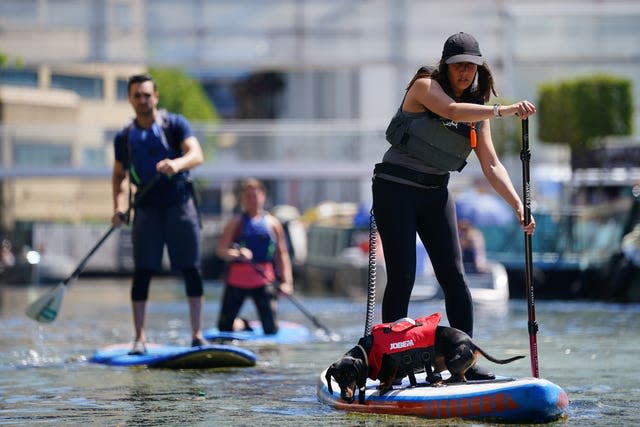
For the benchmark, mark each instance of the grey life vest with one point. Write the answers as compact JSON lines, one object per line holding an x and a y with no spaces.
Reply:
{"x":438,"y":142}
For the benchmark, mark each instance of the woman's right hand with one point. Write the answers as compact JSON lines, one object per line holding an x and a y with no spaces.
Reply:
{"x":119,"y":218}
{"x":245,"y":254}
{"x":239,"y":253}
{"x":522,"y":109}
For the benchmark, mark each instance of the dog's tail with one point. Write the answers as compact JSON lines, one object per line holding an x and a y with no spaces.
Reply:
{"x":494,"y":360}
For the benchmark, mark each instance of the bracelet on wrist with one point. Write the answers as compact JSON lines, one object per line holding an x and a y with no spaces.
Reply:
{"x":496,"y":111}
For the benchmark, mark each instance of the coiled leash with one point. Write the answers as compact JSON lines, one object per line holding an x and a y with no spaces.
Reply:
{"x":371,"y":277}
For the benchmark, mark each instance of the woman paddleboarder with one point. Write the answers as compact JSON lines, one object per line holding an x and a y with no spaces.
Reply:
{"x":443,"y":117}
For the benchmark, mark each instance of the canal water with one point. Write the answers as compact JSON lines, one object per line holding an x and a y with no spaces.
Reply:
{"x":589,"y":349}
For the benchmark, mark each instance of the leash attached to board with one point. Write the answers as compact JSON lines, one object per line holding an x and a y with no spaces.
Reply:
{"x":371,"y":276}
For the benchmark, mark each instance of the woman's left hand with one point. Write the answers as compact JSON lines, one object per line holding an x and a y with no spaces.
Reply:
{"x":531,"y":227}
{"x":528,"y":228}
{"x":286,"y":288}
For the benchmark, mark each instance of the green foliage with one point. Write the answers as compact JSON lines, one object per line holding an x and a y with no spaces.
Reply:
{"x":18,"y":62}
{"x":182,"y":94}
{"x":582,"y":111}
{"x":504,"y":132}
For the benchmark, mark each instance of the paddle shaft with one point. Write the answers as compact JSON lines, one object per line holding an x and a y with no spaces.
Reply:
{"x":525,"y":156}
{"x":291,"y":298}
{"x":304,"y":311}
{"x":82,"y":263}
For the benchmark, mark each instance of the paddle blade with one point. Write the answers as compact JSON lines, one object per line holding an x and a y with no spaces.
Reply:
{"x":45,"y":309}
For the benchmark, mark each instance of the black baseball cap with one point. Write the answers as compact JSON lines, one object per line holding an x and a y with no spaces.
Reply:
{"x":462,"y":47}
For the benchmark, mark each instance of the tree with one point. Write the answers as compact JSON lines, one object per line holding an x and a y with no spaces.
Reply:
{"x":504,"y":133}
{"x":582,"y":111}
{"x":180,"y":93}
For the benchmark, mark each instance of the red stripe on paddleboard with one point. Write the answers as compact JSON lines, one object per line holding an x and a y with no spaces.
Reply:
{"x":454,"y":407}
{"x":476,"y":408}
{"x":487,"y":403}
{"x":443,"y":406}
{"x":433,"y":409}
{"x":511,"y":404}
{"x":500,"y":402}
{"x":465,"y":407}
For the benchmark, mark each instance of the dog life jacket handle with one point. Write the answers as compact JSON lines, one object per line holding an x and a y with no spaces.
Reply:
{"x":404,"y":319}
{"x":412,"y":324}
{"x":364,"y":354}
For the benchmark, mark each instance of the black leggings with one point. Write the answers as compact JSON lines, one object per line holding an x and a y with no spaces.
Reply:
{"x":232,"y":302}
{"x":401,"y":211}
{"x":142,"y":279}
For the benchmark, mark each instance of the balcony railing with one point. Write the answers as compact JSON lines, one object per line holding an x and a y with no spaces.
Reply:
{"x":268,"y":149}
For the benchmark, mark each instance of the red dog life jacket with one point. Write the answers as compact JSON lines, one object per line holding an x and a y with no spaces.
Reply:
{"x":401,"y":336}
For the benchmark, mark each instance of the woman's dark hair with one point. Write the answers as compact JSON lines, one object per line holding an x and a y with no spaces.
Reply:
{"x":476,"y":93}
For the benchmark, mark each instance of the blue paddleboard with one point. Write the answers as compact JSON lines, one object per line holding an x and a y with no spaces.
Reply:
{"x":523,"y":400}
{"x":176,"y":357}
{"x":288,"y":333}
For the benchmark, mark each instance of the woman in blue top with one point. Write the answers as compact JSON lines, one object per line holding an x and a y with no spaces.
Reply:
{"x":155,"y":152}
{"x":442,"y":118}
{"x":254,"y":243}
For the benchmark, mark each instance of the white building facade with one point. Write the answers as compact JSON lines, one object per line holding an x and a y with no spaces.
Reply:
{"x":342,"y":66}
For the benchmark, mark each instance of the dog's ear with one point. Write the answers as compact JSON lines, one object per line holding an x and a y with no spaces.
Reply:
{"x":366,"y":342}
{"x":362,"y":371}
{"x":328,"y":376}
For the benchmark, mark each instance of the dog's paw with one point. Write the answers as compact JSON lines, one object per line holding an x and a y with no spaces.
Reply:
{"x":435,"y":378}
{"x":455,"y":379}
{"x":383,"y":388}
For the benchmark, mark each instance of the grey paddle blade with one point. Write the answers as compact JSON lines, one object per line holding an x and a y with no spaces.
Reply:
{"x":45,"y":309}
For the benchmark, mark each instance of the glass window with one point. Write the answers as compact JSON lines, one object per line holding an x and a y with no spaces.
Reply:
{"x":121,"y":90}
{"x":121,"y":17}
{"x":41,"y":154}
{"x":92,"y":157}
{"x":74,"y":13}
{"x":19,"y":10}
{"x":18,"y":77}
{"x":86,"y":87}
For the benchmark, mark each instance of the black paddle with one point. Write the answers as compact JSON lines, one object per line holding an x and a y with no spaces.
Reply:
{"x":525,"y":156}
{"x":45,"y":309}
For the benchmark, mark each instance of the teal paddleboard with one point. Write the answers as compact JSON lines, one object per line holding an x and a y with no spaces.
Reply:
{"x":288,"y":333}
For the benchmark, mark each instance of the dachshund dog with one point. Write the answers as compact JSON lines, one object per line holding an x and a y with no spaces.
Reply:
{"x":453,"y":351}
